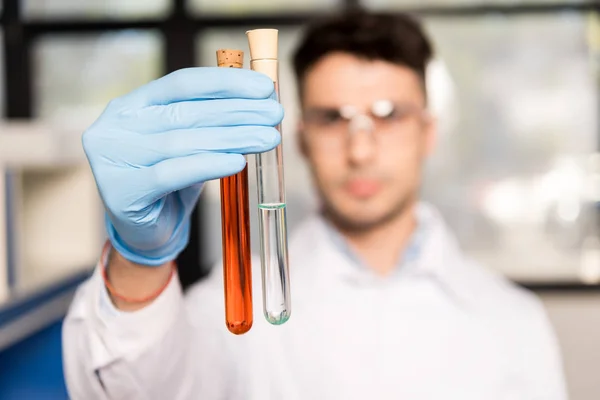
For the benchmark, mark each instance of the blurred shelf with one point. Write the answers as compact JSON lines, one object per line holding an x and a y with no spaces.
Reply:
{"x":27,"y":144}
{"x":561,"y":287}
{"x":27,"y":313}
{"x":51,"y":220}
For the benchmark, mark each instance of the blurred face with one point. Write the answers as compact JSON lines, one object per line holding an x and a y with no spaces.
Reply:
{"x":365,"y":134}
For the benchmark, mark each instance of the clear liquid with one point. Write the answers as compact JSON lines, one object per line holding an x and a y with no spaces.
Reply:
{"x":274,"y":260}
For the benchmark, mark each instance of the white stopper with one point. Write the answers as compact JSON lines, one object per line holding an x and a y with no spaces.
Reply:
{"x":263,"y":44}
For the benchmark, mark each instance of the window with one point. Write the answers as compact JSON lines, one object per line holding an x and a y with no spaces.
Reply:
{"x":93,"y":10}
{"x":258,"y":7}
{"x":76,"y":76}
{"x":517,"y":152}
{"x":517,"y":113}
{"x":399,"y":4}
{"x":517,"y":94}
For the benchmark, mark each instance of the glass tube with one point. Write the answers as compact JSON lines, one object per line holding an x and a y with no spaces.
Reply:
{"x":235,"y":228}
{"x":271,"y":195}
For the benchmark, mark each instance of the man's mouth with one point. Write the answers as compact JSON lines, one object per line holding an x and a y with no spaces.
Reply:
{"x":362,"y":188}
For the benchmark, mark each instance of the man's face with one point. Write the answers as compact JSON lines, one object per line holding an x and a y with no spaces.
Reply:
{"x":365,"y":161}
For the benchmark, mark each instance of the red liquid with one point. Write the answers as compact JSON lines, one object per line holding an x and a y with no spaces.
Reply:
{"x":237,"y":269}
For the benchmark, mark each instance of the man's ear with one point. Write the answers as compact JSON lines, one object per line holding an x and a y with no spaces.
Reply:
{"x":301,"y":139}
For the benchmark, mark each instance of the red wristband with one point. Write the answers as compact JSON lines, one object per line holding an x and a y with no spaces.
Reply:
{"x":112,"y":290}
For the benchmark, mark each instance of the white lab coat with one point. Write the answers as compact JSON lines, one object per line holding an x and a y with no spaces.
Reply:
{"x":440,"y":328}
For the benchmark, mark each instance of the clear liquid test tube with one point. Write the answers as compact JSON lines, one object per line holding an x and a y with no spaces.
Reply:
{"x":263,"y":45}
{"x":235,"y":228}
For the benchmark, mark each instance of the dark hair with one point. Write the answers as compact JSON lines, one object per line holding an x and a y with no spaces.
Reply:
{"x":396,"y":38}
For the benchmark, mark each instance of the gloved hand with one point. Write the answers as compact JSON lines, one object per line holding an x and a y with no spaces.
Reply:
{"x":151,"y":150}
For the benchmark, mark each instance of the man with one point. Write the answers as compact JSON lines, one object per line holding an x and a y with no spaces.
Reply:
{"x":385,"y":306}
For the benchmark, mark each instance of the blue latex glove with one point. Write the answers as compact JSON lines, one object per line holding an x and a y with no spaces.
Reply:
{"x":151,"y":150}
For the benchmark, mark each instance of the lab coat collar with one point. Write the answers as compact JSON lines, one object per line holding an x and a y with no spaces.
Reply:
{"x":432,"y":253}
{"x":442,"y":259}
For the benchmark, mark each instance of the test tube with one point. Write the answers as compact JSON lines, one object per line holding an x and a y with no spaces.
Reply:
{"x":263,"y":45}
{"x":235,"y":228}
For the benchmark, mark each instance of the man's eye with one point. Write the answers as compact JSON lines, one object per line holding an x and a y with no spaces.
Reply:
{"x":329,"y":117}
{"x":393,"y":114}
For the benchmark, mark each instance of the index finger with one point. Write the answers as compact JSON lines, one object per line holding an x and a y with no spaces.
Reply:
{"x":200,"y":83}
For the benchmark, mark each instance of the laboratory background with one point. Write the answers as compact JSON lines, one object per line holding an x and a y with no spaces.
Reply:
{"x":516,"y":172}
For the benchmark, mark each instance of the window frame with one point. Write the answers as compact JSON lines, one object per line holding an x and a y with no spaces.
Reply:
{"x":180,"y":29}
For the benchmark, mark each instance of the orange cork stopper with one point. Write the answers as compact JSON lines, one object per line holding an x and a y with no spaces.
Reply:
{"x":230,"y":58}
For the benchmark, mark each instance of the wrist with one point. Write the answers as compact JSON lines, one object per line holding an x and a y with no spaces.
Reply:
{"x":132,"y":286}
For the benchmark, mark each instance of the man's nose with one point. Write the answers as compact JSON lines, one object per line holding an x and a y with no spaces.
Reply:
{"x":361,"y":139}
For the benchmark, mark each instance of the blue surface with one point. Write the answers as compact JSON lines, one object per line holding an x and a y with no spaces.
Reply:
{"x":18,"y":307}
{"x":32,"y":368}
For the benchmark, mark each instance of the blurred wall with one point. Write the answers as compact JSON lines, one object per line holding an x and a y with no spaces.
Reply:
{"x":576,"y":319}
